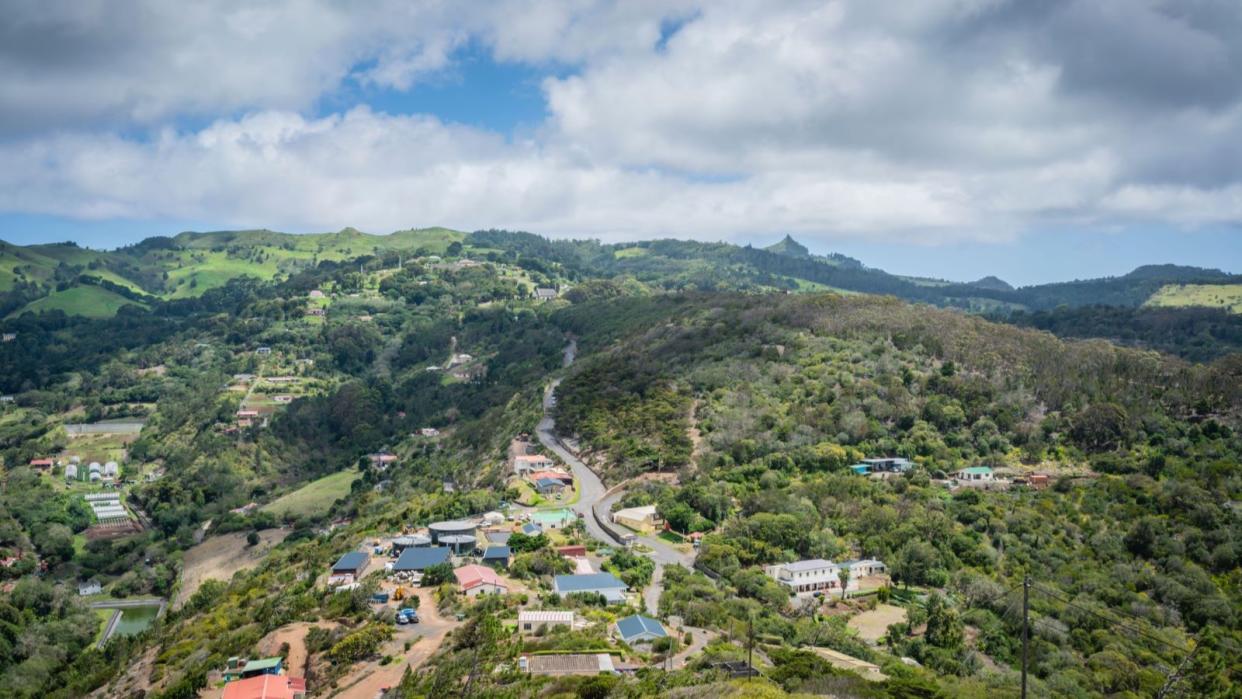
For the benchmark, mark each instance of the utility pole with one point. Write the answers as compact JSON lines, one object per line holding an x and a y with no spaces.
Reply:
{"x":1026,"y":628}
{"x":750,"y":642}
{"x":1176,"y":676}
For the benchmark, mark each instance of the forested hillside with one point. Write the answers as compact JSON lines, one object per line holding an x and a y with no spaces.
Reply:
{"x":1139,"y":531}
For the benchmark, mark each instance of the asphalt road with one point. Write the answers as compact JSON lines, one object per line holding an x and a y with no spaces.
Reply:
{"x":592,"y":491}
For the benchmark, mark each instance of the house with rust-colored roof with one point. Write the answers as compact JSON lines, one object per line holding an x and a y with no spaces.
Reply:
{"x":475,"y":580}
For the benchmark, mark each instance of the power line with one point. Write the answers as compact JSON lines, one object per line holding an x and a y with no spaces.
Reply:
{"x":1115,"y":622}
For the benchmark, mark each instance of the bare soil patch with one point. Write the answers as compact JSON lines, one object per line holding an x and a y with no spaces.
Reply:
{"x":872,"y":625}
{"x":220,"y":557}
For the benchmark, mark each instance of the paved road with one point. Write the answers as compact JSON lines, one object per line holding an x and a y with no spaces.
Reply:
{"x":590,"y":488}
{"x":592,"y":491}
{"x":662,"y":552}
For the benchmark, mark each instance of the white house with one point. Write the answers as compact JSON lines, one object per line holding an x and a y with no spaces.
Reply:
{"x":813,"y":575}
{"x":91,"y":587}
{"x":527,"y":463}
{"x":975,"y":475}
{"x":536,"y":621}
{"x":864,"y":568}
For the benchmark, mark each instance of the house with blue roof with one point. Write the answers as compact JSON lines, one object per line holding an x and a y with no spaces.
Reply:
{"x":549,"y":486}
{"x":348,"y":567}
{"x":639,"y":629}
{"x":532,"y":529}
{"x":497,"y":556}
{"x":416,"y":560}
{"x":605,"y":584}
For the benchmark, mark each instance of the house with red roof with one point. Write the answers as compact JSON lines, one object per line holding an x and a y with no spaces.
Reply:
{"x":475,"y":580}
{"x":266,"y":687}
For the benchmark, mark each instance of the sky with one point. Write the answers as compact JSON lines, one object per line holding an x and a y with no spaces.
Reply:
{"x":1037,"y":141}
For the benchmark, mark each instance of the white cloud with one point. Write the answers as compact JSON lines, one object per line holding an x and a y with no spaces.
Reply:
{"x":943,"y":121}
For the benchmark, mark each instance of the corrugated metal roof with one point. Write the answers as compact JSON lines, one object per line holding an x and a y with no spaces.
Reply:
{"x":564,"y":584}
{"x":420,"y":559}
{"x":639,"y":625}
{"x":351,"y":561}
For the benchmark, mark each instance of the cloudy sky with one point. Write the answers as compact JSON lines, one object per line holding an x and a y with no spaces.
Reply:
{"x":1038,"y":140}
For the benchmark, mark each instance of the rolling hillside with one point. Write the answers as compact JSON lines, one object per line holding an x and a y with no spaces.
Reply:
{"x":189,"y":264}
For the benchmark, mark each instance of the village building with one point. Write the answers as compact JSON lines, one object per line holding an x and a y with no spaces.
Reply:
{"x":416,"y":560}
{"x":349,"y":568}
{"x":529,"y":463}
{"x":639,"y":629}
{"x":71,"y":472}
{"x":475,"y":580}
{"x":605,"y":584}
{"x":266,"y":687}
{"x":533,"y":622}
{"x":815,"y":575}
{"x":428,"y":432}
{"x":975,"y":475}
{"x":253,"y":668}
{"x":8,"y":337}
{"x":642,"y":519}
{"x":549,"y":486}
{"x":283,"y":398}
{"x":90,"y":587}
{"x":551,"y":473}
{"x":864,"y":568}
{"x":543,"y":293}
{"x":497,"y":556}
{"x":42,"y":463}
{"x":7,"y":399}
{"x":532,"y":529}
{"x":562,"y":664}
{"x":497,"y":538}
{"x":316,"y":294}
{"x":315,"y":312}
{"x":263,"y":350}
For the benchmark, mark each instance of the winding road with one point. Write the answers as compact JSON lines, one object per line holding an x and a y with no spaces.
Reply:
{"x":594,"y":497}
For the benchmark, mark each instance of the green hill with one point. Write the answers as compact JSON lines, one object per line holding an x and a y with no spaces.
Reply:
{"x":85,"y":300}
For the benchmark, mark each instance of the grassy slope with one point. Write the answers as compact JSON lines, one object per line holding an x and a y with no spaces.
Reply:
{"x":1227,"y":296}
{"x":89,"y":301}
{"x":314,"y":497}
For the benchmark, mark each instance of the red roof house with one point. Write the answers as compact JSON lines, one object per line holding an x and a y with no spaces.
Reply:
{"x":478,"y":580}
{"x":266,"y":687}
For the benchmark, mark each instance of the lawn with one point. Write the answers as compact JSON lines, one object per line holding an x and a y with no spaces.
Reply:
{"x":316,"y":497}
{"x":1227,"y":296}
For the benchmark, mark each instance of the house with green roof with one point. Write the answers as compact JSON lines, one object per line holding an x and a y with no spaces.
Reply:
{"x":975,"y":475}
{"x":253,"y":668}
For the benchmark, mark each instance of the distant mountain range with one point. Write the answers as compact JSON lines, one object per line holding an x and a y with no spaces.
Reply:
{"x":80,"y":281}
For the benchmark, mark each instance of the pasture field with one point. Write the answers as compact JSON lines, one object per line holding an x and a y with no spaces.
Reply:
{"x":315,"y":497}
{"x":1226,"y":296}
{"x":87,"y":300}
